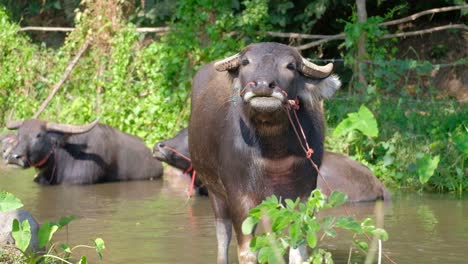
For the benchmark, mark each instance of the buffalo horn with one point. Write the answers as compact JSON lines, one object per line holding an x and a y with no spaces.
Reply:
{"x":70,"y":129}
{"x":228,"y":63}
{"x":313,"y":70}
{"x":14,"y":124}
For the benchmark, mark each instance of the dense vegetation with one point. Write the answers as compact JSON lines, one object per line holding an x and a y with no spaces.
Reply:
{"x":140,"y":83}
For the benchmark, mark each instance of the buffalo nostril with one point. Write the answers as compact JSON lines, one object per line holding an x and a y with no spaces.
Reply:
{"x":161,"y":145}
{"x":272,"y":85}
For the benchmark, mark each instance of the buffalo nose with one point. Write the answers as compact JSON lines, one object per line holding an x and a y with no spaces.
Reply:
{"x":16,"y":156}
{"x":263,"y":87}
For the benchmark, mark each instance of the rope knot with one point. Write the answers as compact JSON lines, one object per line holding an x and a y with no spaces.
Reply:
{"x":309,"y":153}
{"x":294,"y":104}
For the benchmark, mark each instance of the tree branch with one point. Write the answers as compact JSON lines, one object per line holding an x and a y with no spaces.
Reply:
{"x":423,"y":13}
{"x":396,"y":35}
{"x":64,"y":77}
{"x":425,"y":31}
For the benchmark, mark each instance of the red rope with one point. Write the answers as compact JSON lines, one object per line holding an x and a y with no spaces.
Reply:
{"x":187,"y":171}
{"x":294,"y":105}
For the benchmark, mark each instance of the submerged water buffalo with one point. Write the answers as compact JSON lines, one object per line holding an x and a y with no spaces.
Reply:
{"x":8,"y":142}
{"x":87,"y":154}
{"x":175,"y":152}
{"x":337,"y":173}
{"x":241,"y":141}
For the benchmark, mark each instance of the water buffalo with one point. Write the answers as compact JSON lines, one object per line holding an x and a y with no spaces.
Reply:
{"x":241,"y":140}
{"x":8,"y":142}
{"x":87,"y":154}
{"x":175,"y":152}
{"x":338,"y":172}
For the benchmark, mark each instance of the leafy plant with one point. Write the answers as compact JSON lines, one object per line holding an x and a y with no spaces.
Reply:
{"x":425,"y":167}
{"x":21,"y":232}
{"x":294,"y":224}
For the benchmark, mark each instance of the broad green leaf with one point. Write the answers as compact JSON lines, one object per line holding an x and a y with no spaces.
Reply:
{"x":22,"y":234}
{"x":99,"y":242}
{"x":337,"y":198}
{"x":348,"y":223}
{"x":363,"y":121}
{"x":46,"y":232}
{"x":66,"y":220}
{"x":248,"y":225}
{"x":9,"y":202}
{"x":426,"y":166}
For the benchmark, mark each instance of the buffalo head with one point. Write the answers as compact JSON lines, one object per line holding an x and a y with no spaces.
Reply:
{"x":37,"y":139}
{"x":267,"y":75}
{"x":174,"y":151}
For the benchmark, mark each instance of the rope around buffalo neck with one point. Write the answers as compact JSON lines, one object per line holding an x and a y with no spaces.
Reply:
{"x":186,"y":171}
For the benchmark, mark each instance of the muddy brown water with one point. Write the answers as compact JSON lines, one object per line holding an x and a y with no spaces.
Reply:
{"x":153,"y":222}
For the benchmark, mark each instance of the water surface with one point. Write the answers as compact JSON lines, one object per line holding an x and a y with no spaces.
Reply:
{"x":154,"y":222}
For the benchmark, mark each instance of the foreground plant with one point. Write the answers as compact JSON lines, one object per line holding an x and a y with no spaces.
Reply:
{"x":294,"y":224}
{"x":21,"y":232}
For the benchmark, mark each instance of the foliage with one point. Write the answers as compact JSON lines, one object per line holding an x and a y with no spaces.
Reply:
{"x":21,"y":232}
{"x":408,"y":130}
{"x":295,"y":224}
{"x":9,"y":202}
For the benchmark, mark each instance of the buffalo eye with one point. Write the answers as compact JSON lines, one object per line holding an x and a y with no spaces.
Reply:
{"x":291,"y":66}
{"x":245,"y":62}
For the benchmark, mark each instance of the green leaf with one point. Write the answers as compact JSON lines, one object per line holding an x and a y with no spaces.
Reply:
{"x":66,"y":248}
{"x":311,"y":239}
{"x":295,"y":234}
{"x":426,"y":166}
{"x":280,"y":223}
{"x":337,"y":198}
{"x":264,"y":254}
{"x":348,"y":223}
{"x":46,"y":232}
{"x":82,"y":260}
{"x":382,"y":234}
{"x":9,"y":202}
{"x":461,"y":142}
{"x":21,"y":234}
{"x":248,"y":225}
{"x":363,"y":121}
{"x":361,"y":245}
{"x":66,"y":220}
{"x":99,"y":242}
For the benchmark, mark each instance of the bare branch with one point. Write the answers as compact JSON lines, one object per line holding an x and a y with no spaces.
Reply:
{"x":396,"y":35}
{"x":296,"y":35}
{"x":153,"y":29}
{"x":319,"y":42}
{"x":64,"y":77}
{"x":425,"y":31}
{"x":63,"y":29}
{"x":423,"y":13}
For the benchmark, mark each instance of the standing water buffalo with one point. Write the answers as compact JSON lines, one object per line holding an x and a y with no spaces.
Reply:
{"x":241,"y":141}
{"x":338,"y":172}
{"x":91,"y":153}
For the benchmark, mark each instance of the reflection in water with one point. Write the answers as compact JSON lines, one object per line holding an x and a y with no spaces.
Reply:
{"x":153,"y":222}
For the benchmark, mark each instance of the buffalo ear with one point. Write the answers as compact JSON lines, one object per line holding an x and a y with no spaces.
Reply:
{"x":326,"y":87}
